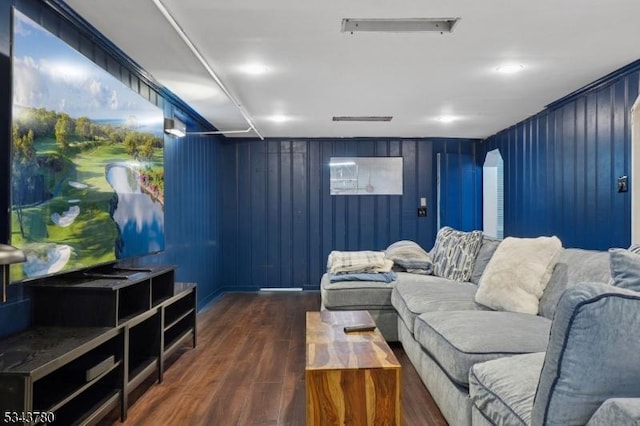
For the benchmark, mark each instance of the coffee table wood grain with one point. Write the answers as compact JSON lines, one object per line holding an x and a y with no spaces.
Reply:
{"x":351,"y":378}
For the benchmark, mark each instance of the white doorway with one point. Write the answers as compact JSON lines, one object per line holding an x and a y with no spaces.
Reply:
{"x":493,"y":194}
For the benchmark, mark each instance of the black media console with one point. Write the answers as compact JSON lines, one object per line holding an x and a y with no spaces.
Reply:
{"x":93,"y":340}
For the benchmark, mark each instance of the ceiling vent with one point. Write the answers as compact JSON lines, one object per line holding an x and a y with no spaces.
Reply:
{"x":367,"y":118}
{"x":438,"y":25}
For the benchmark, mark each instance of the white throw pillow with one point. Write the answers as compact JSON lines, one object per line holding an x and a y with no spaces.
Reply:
{"x":518,"y":273}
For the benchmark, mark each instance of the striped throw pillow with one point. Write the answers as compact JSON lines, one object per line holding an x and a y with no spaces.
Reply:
{"x":454,"y":253}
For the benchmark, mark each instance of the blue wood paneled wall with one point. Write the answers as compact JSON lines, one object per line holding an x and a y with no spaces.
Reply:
{"x":191,"y":174}
{"x":192,"y":213}
{"x":279,"y":221}
{"x":562,"y":165}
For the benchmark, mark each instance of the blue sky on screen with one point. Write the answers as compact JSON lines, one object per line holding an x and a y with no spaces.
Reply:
{"x":48,"y":73}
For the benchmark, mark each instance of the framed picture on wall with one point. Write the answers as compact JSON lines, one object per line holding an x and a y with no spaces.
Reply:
{"x":365,"y":175}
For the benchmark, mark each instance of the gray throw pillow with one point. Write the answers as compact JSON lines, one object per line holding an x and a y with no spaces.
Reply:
{"x":489,"y":246}
{"x":625,"y":268}
{"x":409,"y":256}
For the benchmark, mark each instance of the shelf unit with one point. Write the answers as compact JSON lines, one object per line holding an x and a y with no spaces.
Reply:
{"x":93,"y":341}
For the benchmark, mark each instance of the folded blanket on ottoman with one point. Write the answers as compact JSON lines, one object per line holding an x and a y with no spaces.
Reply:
{"x":382,"y":277}
{"x":358,"y":261}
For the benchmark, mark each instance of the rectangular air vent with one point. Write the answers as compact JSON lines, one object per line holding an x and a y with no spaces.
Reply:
{"x":363,"y":118}
{"x":439,"y":25}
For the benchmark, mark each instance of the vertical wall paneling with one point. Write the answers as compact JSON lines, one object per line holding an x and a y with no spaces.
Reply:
{"x":604,"y":188}
{"x":621,"y":154}
{"x":294,"y":222}
{"x":460,"y":192}
{"x":634,"y":178}
{"x":193,"y":213}
{"x":580,"y":187}
{"x":315,"y":225}
{"x":562,"y":166}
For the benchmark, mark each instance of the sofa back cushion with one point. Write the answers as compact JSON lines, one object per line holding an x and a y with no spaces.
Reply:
{"x":625,"y":268}
{"x":489,"y":246}
{"x":593,"y":354}
{"x":573,"y":266}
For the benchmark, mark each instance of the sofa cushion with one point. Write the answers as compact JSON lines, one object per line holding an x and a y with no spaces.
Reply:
{"x":489,"y":246}
{"x":459,"y":339}
{"x":625,"y":269}
{"x":518,"y":273}
{"x":357,"y":295}
{"x":408,"y":255}
{"x":454,"y":253}
{"x":416,"y":294}
{"x":593,"y":354}
{"x":618,"y":412}
{"x":503,"y":389}
{"x":573,"y":266}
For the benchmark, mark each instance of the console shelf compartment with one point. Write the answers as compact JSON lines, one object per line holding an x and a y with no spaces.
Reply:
{"x":144,"y":348}
{"x":102,"y":301}
{"x":177,"y":321}
{"x":94,"y":339}
{"x":93,"y":407}
{"x":162,"y":287}
{"x":53,"y":368}
{"x":144,"y":369}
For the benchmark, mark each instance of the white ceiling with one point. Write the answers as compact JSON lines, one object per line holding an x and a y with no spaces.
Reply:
{"x":316,"y":72}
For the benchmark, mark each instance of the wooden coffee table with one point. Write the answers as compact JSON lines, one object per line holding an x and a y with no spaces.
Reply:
{"x":351,"y":378}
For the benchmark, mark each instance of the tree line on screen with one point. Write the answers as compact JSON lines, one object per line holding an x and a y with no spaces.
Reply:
{"x":60,"y":137}
{"x":76,"y":134}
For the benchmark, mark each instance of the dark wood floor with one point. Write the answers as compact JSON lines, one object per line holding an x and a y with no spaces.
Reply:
{"x":248,"y":369}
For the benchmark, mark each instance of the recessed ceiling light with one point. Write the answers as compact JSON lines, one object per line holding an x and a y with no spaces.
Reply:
{"x":279,"y":118}
{"x":447,"y":118}
{"x":254,"y":69}
{"x":510,"y":68}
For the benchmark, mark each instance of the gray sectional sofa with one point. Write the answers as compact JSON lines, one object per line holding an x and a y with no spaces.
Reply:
{"x":486,"y":367}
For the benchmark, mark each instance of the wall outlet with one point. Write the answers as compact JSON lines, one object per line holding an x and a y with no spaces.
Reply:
{"x":422,"y":212}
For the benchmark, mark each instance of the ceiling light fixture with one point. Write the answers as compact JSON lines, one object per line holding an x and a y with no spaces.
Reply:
{"x":510,"y":68}
{"x":279,"y":118}
{"x":222,"y":132}
{"x":447,"y":118}
{"x":175,"y":127}
{"x":438,"y":25}
{"x":178,"y":29}
{"x":254,"y":69}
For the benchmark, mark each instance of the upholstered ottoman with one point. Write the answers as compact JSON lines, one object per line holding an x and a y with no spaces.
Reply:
{"x":371,"y":296}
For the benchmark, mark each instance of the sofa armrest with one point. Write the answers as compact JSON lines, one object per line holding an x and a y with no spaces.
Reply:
{"x":593,"y":354}
{"x":617,"y":411}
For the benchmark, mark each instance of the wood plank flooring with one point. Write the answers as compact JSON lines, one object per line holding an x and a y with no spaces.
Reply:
{"x":248,"y":369}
